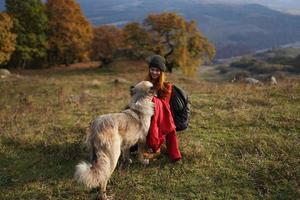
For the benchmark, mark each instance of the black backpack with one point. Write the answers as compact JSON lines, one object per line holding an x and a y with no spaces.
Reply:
{"x":180,"y":107}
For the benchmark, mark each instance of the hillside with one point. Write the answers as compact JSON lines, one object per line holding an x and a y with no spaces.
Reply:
{"x":280,"y":62}
{"x":242,"y":142}
{"x":235,"y":29}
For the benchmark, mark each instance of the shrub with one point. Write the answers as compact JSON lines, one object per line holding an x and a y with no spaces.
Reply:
{"x":223,"y":69}
{"x":243,"y":63}
{"x":241,"y":75}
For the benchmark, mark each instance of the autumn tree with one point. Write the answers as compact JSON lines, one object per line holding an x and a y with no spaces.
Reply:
{"x":69,"y":32}
{"x":195,"y":49}
{"x":179,"y":41}
{"x":30,"y":22}
{"x":7,"y":38}
{"x":107,"y":39}
{"x":136,"y":37}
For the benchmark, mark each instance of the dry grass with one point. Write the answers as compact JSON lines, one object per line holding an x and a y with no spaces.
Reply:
{"x":242,"y":143}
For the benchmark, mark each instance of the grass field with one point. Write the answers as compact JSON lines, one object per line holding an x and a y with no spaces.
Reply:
{"x":242,"y":143}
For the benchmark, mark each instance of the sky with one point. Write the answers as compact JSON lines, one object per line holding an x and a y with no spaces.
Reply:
{"x":269,"y":2}
{"x":291,"y":6}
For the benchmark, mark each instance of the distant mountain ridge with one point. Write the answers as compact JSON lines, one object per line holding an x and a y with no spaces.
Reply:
{"x":235,"y":29}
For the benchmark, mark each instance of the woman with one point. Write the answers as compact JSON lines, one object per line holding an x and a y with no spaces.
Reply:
{"x":162,"y":126}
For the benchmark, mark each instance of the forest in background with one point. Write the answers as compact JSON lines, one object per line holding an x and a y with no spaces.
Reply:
{"x":38,"y":35}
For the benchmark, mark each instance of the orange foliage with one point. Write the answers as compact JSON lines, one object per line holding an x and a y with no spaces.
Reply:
{"x":107,"y":39}
{"x":180,"y":41}
{"x":136,"y":36}
{"x":69,"y":32}
{"x":7,"y":38}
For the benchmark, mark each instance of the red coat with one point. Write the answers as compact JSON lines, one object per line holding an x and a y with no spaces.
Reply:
{"x":162,"y":129}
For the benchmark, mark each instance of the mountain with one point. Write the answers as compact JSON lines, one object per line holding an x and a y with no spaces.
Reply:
{"x":287,"y":6}
{"x":235,"y":29}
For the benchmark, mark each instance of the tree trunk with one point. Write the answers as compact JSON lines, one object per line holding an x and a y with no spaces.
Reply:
{"x":169,"y":66}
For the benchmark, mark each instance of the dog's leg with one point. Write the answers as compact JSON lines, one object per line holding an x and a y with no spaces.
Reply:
{"x":102,"y":195}
{"x":109,"y":162}
{"x":141,"y":149}
{"x":125,"y":161}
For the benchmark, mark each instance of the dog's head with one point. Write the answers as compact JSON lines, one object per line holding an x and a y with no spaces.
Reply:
{"x":141,"y":96}
{"x":143,"y":88}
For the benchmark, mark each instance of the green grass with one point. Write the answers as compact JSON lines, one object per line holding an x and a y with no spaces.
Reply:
{"x":242,"y":142}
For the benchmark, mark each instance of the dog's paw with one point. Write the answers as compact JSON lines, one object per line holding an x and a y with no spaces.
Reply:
{"x":129,"y":161}
{"x":145,"y":161}
{"x":125,"y":164}
{"x":105,"y":197}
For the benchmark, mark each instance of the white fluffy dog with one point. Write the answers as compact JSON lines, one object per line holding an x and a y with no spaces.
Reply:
{"x":112,"y":134}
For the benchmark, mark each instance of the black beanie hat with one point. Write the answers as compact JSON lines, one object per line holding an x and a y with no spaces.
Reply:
{"x":158,"y":62}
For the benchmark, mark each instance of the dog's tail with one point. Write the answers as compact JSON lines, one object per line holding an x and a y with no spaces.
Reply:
{"x":85,"y":174}
{"x":93,"y":175}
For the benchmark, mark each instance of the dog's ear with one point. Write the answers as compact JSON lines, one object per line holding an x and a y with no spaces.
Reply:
{"x":131,"y":90}
{"x":151,"y":90}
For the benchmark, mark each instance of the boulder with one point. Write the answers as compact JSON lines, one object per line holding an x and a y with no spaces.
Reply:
{"x":4,"y":73}
{"x":120,"y":81}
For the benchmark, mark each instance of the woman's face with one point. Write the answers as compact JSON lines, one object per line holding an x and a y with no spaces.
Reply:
{"x":154,"y":72}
